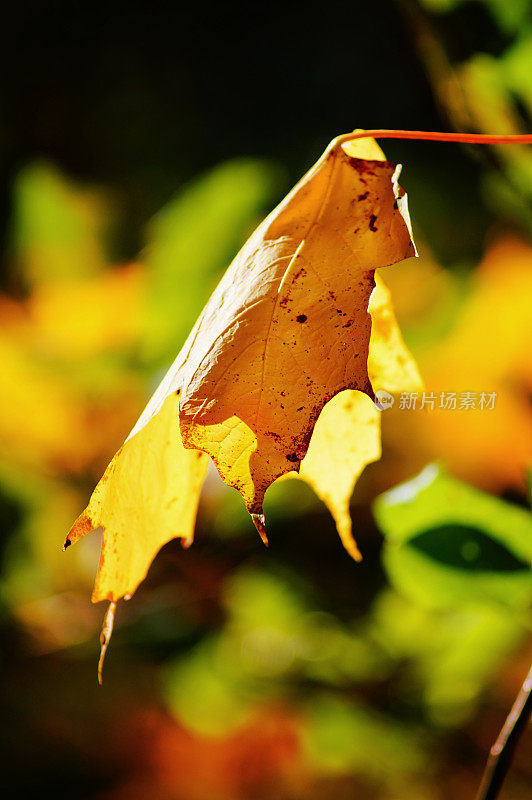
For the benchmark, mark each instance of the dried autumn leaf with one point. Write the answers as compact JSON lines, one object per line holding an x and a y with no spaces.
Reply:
{"x":287,"y":330}
{"x":147,"y":496}
{"x":347,"y":435}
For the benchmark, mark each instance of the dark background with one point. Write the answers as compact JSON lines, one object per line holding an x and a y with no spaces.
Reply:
{"x":142,"y":96}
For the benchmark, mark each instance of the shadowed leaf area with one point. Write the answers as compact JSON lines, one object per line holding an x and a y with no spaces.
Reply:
{"x":468,"y":548}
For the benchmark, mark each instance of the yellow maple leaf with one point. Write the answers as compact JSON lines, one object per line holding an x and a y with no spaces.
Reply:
{"x":277,"y":365}
{"x":347,"y":435}
{"x":148,"y":495}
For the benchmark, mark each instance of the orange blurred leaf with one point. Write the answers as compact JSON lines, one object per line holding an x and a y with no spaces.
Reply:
{"x":485,"y":352}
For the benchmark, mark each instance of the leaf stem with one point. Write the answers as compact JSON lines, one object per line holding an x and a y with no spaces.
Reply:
{"x":502,"y":751}
{"x":105,"y":636}
{"x":434,"y":136}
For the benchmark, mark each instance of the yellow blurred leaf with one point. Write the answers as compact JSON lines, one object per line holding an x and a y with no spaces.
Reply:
{"x":47,"y":344}
{"x":80,"y":319}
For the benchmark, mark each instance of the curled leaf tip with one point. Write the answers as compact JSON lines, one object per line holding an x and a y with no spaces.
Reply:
{"x":343,"y":525}
{"x":259,"y":521}
{"x":351,"y":547}
{"x":66,"y":544}
{"x":105,"y":637}
{"x":357,"y":555}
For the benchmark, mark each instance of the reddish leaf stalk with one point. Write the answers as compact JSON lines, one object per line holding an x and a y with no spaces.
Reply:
{"x":435,"y":136}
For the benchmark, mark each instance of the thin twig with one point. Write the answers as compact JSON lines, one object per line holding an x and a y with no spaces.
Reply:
{"x":502,"y":751}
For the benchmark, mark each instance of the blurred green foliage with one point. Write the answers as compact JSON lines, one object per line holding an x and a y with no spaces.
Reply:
{"x":448,"y":544}
{"x":488,"y":91}
{"x":57,"y":227}
{"x":237,"y":672}
{"x":192,"y":240}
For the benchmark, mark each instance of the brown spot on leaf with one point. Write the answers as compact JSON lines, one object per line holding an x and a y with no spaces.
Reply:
{"x":372,"y":221}
{"x":363,"y":196}
{"x":301,"y":318}
{"x":363,"y":165}
{"x":292,"y":457}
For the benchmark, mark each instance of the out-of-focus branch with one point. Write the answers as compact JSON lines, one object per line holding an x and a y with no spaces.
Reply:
{"x":502,"y":751}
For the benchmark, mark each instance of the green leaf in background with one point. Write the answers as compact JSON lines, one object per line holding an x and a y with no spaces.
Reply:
{"x":448,"y":657}
{"x":448,"y":544}
{"x":192,"y":240}
{"x":516,"y":64}
{"x":57,"y":226}
{"x":343,"y":735}
{"x":509,"y":16}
